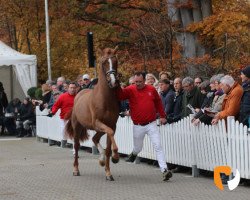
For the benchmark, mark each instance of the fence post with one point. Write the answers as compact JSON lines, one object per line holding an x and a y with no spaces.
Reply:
{"x":95,"y":150}
{"x":195,"y":170}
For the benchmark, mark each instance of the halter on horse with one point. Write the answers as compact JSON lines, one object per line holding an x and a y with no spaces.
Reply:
{"x":98,"y":110}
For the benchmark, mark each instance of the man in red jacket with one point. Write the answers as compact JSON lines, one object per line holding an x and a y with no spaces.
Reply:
{"x":65,"y":102}
{"x":144,"y":104}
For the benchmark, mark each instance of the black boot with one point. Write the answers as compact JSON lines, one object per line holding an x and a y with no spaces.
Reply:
{"x":28,"y":133}
{"x":19,"y":132}
{"x":131,"y":158}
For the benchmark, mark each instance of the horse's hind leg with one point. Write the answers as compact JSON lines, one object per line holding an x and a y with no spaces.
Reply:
{"x":77,"y":130}
{"x":96,"y":140}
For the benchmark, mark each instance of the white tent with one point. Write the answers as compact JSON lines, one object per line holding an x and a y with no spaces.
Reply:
{"x":25,"y":66}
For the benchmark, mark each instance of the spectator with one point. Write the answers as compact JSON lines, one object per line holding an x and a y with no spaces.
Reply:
{"x":80,"y":80}
{"x":65,"y":102}
{"x":211,"y":107}
{"x":131,"y":80}
{"x":59,"y":84}
{"x":192,"y":96}
{"x":86,"y":81}
{"x":55,"y":96}
{"x":124,"y":105}
{"x":26,"y":118}
{"x":151,"y":80}
{"x":198,"y":81}
{"x":177,"y":107}
{"x":145,"y":103}
{"x":164,"y":75}
{"x":167,"y":96}
{"x":245,"y":100}
{"x":3,"y":105}
{"x":46,"y":95}
{"x":54,"y":87}
{"x":231,"y":102}
{"x":54,"y":90}
{"x":11,"y":114}
{"x":65,"y":86}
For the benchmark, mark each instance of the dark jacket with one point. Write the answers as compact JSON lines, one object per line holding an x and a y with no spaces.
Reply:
{"x":3,"y":102}
{"x":245,"y":104}
{"x":194,"y":98}
{"x":27,"y":112}
{"x":13,"y":107}
{"x":177,"y":108}
{"x":167,"y":99}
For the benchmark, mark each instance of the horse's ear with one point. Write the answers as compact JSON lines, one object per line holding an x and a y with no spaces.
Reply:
{"x":116,"y":49}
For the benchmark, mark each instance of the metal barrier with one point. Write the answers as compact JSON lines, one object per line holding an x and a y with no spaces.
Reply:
{"x":200,"y":146}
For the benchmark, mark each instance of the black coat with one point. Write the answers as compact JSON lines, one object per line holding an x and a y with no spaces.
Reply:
{"x":3,"y":102}
{"x":177,"y":108}
{"x":27,"y":112}
{"x":245,"y":104}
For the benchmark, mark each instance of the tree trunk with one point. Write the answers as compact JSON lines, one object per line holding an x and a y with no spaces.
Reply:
{"x":187,"y":15}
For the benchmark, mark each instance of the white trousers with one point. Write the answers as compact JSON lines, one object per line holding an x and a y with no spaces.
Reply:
{"x":62,"y":126}
{"x":154,"y":136}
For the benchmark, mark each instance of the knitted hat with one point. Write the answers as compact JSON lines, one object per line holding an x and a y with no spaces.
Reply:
{"x":246,"y":71}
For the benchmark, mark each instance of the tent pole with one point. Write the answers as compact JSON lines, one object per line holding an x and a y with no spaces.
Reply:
{"x":47,"y":39}
{"x":11,"y":82}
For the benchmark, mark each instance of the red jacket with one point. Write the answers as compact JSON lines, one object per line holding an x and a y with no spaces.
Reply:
{"x":65,"y":102}
{"x":144,"y":104}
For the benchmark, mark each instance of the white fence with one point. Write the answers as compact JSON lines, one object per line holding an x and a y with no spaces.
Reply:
{"x":184,"y":144}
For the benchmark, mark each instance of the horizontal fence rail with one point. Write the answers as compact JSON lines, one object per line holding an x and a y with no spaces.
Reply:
{"x":184,"y":144}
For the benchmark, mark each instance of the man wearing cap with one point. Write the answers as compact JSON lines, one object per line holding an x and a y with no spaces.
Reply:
{"x":245,"y":100}
{"x":86,"y":81}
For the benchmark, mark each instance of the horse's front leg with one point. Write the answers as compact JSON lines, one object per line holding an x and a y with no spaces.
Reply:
{"x":76,"y":171}
{"x":110,"y":133}
{"x":96,"y":140}
{"x":109,"y":176}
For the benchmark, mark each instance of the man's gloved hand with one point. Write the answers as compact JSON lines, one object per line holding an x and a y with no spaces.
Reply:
{"x":50,"y":115}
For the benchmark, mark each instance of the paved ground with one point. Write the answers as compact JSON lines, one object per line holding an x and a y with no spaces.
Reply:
{"x":32,"y":170}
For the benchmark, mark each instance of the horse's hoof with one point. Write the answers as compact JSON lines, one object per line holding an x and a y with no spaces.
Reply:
{"x":76,"y":173}
{"x":109,"y":178}
{"x":102,"y":163}
{"x":115,"y":160}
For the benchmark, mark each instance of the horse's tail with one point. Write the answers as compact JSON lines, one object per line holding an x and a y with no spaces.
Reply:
{"x":84,"y":134}
{"x":69,"y":131}
{"x":68,"y":127}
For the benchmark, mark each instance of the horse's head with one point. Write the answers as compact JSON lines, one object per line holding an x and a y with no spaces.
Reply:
{"x":109,"y":64}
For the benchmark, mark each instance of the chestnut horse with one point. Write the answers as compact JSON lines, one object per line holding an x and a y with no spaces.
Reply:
{"x":97,"y":109}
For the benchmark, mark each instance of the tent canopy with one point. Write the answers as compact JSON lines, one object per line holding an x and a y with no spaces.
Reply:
{"x":24,"y":66}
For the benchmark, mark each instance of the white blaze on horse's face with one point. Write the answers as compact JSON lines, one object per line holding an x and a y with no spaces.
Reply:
{"x":112,"y":76}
